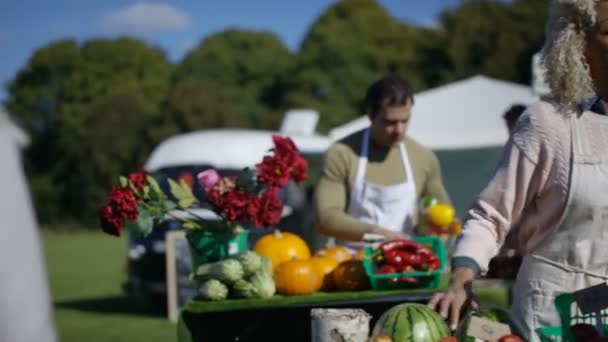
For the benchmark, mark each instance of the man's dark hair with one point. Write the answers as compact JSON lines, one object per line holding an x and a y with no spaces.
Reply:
{"x":388,"y":91}
{"x":512,"y":114}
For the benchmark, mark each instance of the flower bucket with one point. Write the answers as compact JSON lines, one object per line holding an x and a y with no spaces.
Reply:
{"x":210,"y":246}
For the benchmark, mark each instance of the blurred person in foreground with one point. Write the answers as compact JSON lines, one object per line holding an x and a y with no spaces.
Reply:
{"x":373,"y":179}
{"x":506,"y":264}
{"x":551,"y":183}
{"x":25,"y":303}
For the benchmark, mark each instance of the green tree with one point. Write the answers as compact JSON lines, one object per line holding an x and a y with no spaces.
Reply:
{"x":54,"y":97}
{"x":232,"y":78}
{"x":114,"y":139}
{"x":351,"y":45}
{"x":494,"y":38}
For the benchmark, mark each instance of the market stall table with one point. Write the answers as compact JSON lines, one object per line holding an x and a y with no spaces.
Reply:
{"x":280,"y":318}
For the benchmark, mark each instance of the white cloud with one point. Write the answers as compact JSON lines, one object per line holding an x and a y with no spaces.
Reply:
{"x":145,"y":18}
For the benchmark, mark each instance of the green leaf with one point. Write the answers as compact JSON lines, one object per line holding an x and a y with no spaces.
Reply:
{"x":146,"y":192}
{"x":247,"y":179}
{"x":155,"y":187}
{"x":183,"y":193}
{"x":145,"y":222}
{"x":134,"y":228}
{"x":191,"y":225}
{"x":124,"y":181}
{"x":187,"y":202}
{"x":168,"y":205}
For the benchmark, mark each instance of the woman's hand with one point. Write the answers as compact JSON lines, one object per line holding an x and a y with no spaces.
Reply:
{"x":450,"y":303}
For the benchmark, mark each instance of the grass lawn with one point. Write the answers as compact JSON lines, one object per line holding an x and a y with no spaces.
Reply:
{"x":86,"y":270}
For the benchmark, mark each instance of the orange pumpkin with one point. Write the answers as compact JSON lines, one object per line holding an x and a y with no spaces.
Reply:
{"x":324,"y":267}
{"x":297,"y":277}
{"x":281,"y":247}
{"x":338,"y":252}
{"x":350,"y":276}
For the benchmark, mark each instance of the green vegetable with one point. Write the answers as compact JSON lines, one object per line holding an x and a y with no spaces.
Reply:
{"x":214,"y":289}
{"x":411,"y":322}
{"x":251,"y":262}
{"x":263,"y":279}
{"x":244,"y":289}
{"x":227,"y":271}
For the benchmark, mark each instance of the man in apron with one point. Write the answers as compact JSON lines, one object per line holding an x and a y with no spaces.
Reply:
{"x":373,"y":179}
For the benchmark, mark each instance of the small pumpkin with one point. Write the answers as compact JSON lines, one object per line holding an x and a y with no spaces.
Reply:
{"x":350,"y":275}
{"x":338,"y":252}
{"x":324,"y":267}
{"x":360,"y":254}
{"x":282,"y":246}
{"x":297,"y":277}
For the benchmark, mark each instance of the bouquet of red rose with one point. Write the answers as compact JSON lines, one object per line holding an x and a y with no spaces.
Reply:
{"x":251,"y":198}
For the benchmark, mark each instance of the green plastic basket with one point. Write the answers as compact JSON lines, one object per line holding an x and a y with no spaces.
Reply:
{"x":430,"y":279}
{"x":206,"y":247}
{"x":569,"y":314}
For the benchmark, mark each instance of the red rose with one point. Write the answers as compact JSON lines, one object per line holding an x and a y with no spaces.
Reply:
{"x":274,"y":172}
{"x":110,"y":223}
{"x":124,"y":202}
{"x":271,"y":208}
{"x":235,"y":205}
{"x":284,"y":146}
{"x":138,"y":179}
{"x":253,"y":208}
{"x":299,"y":170}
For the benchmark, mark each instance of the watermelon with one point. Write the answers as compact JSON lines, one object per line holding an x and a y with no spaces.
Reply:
{"x":493,"y":314}
{"x":411,"y":322}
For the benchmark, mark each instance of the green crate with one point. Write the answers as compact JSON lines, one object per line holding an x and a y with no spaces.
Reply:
{"x":569,"y":314}
{"x":430,"y":279}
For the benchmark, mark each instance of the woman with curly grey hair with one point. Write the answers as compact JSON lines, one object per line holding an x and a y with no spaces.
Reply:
{"x":551,"y":183}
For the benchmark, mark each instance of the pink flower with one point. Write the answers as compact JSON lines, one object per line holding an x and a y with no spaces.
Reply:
{"x":208,"y":179}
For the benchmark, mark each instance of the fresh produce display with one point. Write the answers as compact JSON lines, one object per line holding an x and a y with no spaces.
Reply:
{"x":251,"y":262}
{"x":338,"y":253}
{"x":438,"y":219}
{"x":297,"y":277}
{"x":448,"y":339}
{"x":350,"y":275}
{"x":227,"y":271}
{"x":492,"y":314}
{"x":324,"y":267}
{"x":259,"y":284}
{"x":380,"y":338}
{"x":402,"y":256}
{"x":510,"y":338}
{"x":213,"y":289}
{"x":282,"y":246}
{"x":247,"y":275}
{"x":411,"y":322}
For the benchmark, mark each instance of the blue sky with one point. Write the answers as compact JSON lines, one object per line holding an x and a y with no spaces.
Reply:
{"x":174,"y":25}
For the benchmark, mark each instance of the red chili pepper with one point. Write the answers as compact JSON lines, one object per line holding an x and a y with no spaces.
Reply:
{"x":394,"y":258}
{"x":433,"y":262}
{"x":411,"y":259}
{"x":407,"y":269}
{"x":386,"y":269}
{"x":399,"y":244}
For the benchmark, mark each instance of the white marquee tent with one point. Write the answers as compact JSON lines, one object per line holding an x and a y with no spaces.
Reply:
{"x":460,"y":115}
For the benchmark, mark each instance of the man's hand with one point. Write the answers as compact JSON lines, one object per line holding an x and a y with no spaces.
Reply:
{"x":390,"y":234}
